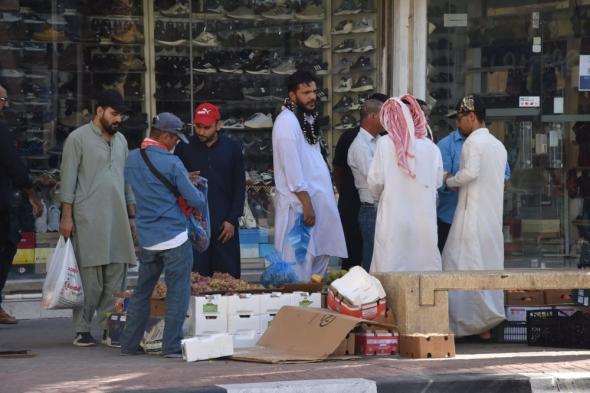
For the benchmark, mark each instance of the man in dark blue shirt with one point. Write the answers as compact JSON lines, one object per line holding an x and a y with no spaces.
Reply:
{"x":219,"y":160}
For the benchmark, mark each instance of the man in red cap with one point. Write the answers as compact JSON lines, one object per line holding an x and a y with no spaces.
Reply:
{"x":218,"y":159}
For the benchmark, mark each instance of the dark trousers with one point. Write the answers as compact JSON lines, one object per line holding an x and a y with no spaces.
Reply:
{"x":443,"y":233}
{"x":349,"y":215}
{"x":9,"y":238}
{"x":219,"y":257}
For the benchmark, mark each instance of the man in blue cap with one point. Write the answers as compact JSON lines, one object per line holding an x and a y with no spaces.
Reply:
{"x":162,"y":232}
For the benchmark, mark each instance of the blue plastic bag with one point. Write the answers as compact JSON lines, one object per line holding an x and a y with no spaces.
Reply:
{"x":299,"y":238}
{"x":278,"y":273}
{"x":199,"y":223}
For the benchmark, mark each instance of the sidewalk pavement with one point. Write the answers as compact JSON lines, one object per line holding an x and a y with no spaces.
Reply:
{"x":61,"y":367}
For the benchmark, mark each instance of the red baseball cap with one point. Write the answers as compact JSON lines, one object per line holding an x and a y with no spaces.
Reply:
{"x":206,"y":114}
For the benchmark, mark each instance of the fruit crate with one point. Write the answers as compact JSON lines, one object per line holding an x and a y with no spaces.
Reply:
{"x":510,"y":332}
{"x":553,"y":328}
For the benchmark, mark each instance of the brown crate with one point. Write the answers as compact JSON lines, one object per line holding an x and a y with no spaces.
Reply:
{"x":427,"y":346}
{"x":558,"y":296}
{"x":346,"y":347}
{"x":525,"y":298}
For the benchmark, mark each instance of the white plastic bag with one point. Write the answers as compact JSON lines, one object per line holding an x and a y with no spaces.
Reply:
{"x":359,"y":287}
{"x":63,"y":284}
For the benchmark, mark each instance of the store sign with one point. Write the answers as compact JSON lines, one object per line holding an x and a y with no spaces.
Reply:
{"x":584,"y":80}
{"x":455,"y":20}
{"x":529,"y":101}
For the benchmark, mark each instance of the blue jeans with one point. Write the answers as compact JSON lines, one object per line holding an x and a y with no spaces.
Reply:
{"x":177,"y":264}
{"x":367,"y":218}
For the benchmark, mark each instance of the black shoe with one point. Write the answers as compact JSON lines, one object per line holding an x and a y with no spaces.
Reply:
{"x":362,"y":64}
{"x":84,"y":339}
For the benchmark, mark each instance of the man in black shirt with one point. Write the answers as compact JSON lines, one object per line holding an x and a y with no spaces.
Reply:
{"x":219,"y":160}
{"x":349,"y":202}
{"x":13,"y":176}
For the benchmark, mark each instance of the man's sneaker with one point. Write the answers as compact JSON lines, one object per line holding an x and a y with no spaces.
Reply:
{"x":344,"y":85}
{"x":364,"y":46}
{"x":84,"y":339}
{"x":259,"y":120}
{"x":287,"y":67}
{"x":316,"y":41}
{"x":206,"y":39}
{"x":345,"y":46}
{"x":204,"y":66}
{"x":344,"y":27}
{"x":233,"y":123}
{"x":361,"y":64}
{"x":243,"y":13}
{"x":257,"y":67}
{"x":279,"y":13}
{"x":257,"y":94}
{"x":177,"y":10}
{"x":6,"y":318}
{"x":347,"y":122}
{"x":346,"y":104}
{"x":311,"y":12}
{"x":348,"y":7}
{"x":363,"y":26}
{"x":233,"y":67}
{"x":320,"y":69}
{"x":322,"y":95}
{"x":363,"y":83}
{"x":49,"y":34}
{"x":215,"y":7}
{"x":343,"y":67}
{"x":278,"y":93}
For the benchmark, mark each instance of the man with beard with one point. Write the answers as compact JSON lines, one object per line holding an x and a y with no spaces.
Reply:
{"x":98,"y":211}
{"x":303,"y":184}
{"x":218,"y":159}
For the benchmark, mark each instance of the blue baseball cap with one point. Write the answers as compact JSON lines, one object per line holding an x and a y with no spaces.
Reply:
{"x":169,"y":122}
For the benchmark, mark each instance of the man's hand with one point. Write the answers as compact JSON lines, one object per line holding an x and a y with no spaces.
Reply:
{"x":227,"y":232}
{"x":133,"y":228}
{"x":66,"y":226}
{"x":308,"y":215}
{"x":194,"y":176}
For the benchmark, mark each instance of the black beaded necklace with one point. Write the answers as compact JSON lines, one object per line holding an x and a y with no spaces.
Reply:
{"x":311,"y":130}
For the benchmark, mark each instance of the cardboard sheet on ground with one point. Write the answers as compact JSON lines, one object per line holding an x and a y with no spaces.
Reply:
{"x":300,"y":334}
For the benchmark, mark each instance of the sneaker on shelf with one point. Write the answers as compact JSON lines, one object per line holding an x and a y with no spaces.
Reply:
{"x":278,"y":93}
{"x":129,"y":35}
{"x":177,"y":10}
{"x":344,"y":27}
{"x":49,"y":34}
{"x":364,"y":46}
{"x":361,"y":64}
{"x":346,"y":104}
{"x":259,"y":120}
{"x":347,"y":122}
{"x":243,"y":13}
{"x":279,"y":13}
{"x":320,"y":68}
{"x":215,"y":7}
{"x":234,"y":40}
{"x":311,"y":12}
{"x":76,"y":119}
{"x":248,"y":220}
{"x":206,"y":39}
{"x":345,"y":46}
{"x":316,"y":41}
{"x":84,"y":339}
{"x":322,"y":95}
{"x":348,"y":7}
{"x":344,"y":85}
{"x":363,"y":83}
{"x":6,"y":318}
{"x":343,"y":67}
{"x":232,"y":67}
{"x":257,"y":67}
{"x":287,"y":67}
{"x":233,"y":123}
{"x":177,"y":42}
{"x":363,"y":26}
{"x":204,"y":66}
{"x":257,"y":94}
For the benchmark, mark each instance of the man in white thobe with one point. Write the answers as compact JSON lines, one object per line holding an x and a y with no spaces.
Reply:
{"x":475,"y":240}
{"x":303,"y":183}
{"x":406,"y":187}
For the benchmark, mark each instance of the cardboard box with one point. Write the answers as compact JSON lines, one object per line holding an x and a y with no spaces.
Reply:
{"x":340,"y":304}
{"x":207,"y":347}
{"x":46,"y":240}
{"x":243,"y":303}
{"x":420,"y":346}
{"x":249,"y":251}
{"x":265,"y":249}
{"x":305,"y":299}
{"x":271,"y":303}
{"x":376,"y":342}
{"x":558,"y":296}
{"x":302,"y":334}
{"x":254,"y":236}
{"x":525,"y":298}
{"x":245,"y":339}
{"x":243,"y":323}
{"x":27,"y":241}
{"x":518,"y":313}
{"x":116,"y":324}
{"x":347,"y":346}
{"x":541,"y":226}
{"x":207,"y":315}
{"x":265,"y":321}
{"x":157,"y":307}
{"x":24,"y":256}
{"x":43,"y":255}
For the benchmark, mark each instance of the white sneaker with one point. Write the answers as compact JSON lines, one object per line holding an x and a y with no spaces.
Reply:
{"x":177,"y":10}
{"x":344,"y":27}
{"x":364,"y":46}
{"x":311,"y":12}
{"x":233,"y":124}
{"x":363,"y":26}
{"x":206,"y":39}
{"x":316,"y":41}
{"x":344,"y":85}
{"x":285,"y":68}
{"x":259,"y":120}
{"x":244,"y":13}
{"x":278,"y":13}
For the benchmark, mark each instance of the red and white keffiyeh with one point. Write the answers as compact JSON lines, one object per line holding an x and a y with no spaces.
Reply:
{"x":397,"y":120}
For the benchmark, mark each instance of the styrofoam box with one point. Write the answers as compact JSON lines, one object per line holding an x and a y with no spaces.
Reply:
{"x":246,"y":340}
{"x":305,"y":299}
{"x":265,"y":321}
{"x":249,"y":251}
{"x":243,"y":323}
{"x":271,"y":303}
{"x":207,"y":315}
{"x":207,"y":347}
{"x":518,"y":313}
{"x":243,"y":303}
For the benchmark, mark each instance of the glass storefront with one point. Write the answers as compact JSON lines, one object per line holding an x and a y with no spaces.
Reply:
{"x":528,"y":60}
{"x":171,"y":55}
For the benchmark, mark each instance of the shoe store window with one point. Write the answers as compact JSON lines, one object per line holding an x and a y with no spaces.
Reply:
{"x":529,"y":60}
{"x":55,"y":55}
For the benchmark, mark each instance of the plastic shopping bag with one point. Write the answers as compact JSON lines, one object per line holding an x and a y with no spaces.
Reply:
{"x":199,"y":223}
{"x":299,"y":238}
{"x":63,"y":284}
{"x":278,"y":273}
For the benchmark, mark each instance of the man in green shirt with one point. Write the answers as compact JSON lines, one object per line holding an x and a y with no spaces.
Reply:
{"x":98,"y":210}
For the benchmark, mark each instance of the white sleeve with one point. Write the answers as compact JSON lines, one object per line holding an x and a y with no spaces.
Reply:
{"x":288,"y":154}
{"x":439,"y":168}
{"x":471,"y":159}
{"x":376,"y":177}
